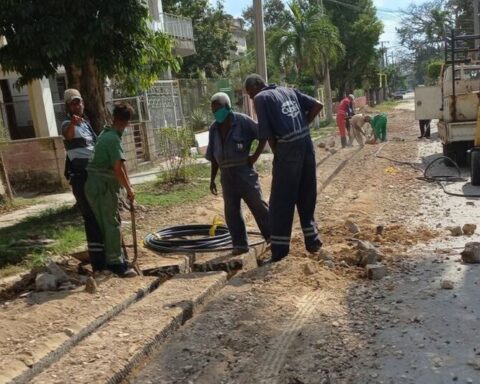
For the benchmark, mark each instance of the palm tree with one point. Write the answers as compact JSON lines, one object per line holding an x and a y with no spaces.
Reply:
{"x":309,"y":39}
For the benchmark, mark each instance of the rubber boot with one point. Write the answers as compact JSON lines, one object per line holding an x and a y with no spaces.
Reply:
{"x":343,"y":140}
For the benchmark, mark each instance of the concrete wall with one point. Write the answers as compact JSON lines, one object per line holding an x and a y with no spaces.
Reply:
{"x":35,"y":165}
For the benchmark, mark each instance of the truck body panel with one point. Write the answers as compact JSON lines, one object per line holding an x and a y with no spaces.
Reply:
{"x":455,"y":132}
{"x":465,"y":107}
{"x":428,"y":103}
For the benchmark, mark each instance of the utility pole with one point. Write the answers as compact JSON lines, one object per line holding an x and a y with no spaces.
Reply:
{"x":260,"y":39}
{"x":476,"y":23}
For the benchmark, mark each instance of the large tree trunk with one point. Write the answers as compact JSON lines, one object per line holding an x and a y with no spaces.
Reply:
{"x":328,"y":94}
{"x":93,"y":92}
{"x":316,"y":88}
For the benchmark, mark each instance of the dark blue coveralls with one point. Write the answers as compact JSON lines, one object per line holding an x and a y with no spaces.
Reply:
{"x":80,"y":150}
{"x":239,"y":180}
{"x":282,"y":114}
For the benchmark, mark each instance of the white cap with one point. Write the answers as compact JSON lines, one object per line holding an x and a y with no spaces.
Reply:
{"x":351,"y":97}
{"x":71,"y":94}
{"x":222,"y":98}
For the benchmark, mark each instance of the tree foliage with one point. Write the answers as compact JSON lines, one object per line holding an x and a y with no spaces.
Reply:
{"x":423,"y":28}
{"x":91,"y":40}
{"x":213,"y":39}
{"x":311,"y":42}
{"x":360,"y":31}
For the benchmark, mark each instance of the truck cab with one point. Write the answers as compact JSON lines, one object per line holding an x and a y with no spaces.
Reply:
{"x":454,"y":102}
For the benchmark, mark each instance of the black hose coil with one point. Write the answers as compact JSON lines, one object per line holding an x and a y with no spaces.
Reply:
{"x":191,"y":238}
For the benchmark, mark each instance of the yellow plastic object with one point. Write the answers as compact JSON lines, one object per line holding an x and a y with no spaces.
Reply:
{"x":391,"y":170}
{"x":215,"y":223}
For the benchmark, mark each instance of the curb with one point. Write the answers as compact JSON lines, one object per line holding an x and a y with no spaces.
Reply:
{"x":55,"y":355}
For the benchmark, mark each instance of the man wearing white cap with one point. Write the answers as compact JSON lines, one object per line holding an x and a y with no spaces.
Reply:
{"x":79,"y":140}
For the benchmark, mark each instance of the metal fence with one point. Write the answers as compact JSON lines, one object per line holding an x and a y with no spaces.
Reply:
{"x":176,"y":26}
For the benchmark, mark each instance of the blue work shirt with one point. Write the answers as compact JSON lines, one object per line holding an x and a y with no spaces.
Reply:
{"x":83,"y":142}
{"x":282,"y":113}
{"x":234,"y":151}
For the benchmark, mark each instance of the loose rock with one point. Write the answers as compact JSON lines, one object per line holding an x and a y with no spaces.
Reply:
{"x":446,"y":284}
{"x":471,"y":253}
{"x":321,"y":145}
{"x":375,"y":271}
{"x":367,"y":253}
{"x":456,"y":231}
{"x":91,"y":285}
{"x":469,"y":229}
{"x":46,"y":282}
{"x":58,"y":272}
{"x":352,"y":227}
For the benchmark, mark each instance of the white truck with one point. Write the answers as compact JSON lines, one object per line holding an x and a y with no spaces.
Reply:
{"x":454,"y":103}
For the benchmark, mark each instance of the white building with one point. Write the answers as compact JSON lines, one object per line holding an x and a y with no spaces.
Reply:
{"x":37,"y":109}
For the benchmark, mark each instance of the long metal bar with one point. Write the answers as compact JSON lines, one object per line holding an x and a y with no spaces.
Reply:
{"x":454,"y":104}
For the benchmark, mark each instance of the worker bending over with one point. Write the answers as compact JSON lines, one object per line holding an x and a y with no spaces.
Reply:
{"x":356,"y":128}
{"x":283,"y":118}
{"x":106,"y":175}
{"x":230,"y":139}
{"x":379,"y":126}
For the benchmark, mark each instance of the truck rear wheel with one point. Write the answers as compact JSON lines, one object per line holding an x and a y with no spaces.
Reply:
{"x":457,"y":151}
{"x":475,"y":167}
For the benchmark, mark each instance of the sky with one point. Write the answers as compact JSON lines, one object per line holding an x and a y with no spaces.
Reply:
{"x":387,"y":11}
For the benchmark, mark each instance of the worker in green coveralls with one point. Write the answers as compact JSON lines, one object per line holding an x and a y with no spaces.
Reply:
{"x":106,"y":175}
{"x":379,"y":126}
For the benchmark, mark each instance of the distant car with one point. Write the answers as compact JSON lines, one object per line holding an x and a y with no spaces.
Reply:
{"x":397,"y":95}
{"x":402,"y":91}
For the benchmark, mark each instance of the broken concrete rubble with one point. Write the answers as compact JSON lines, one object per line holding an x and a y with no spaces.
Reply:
{"x":471,"y":253}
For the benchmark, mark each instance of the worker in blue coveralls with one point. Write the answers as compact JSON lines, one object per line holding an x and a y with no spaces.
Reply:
{"x":283,"y":118}
{"x":229,"y":142}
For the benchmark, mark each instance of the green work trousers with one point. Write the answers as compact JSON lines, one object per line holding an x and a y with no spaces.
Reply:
{"x":380,"y":127}
{"x":102,"y":193}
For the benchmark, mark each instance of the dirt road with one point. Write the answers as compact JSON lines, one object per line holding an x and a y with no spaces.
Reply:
{"x":302,"y":321}
{"x":308,"y":319}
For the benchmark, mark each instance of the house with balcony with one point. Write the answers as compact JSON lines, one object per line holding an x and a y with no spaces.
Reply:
{"x":32,"y":115}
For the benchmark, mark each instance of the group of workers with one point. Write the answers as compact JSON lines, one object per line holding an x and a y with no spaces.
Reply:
{"x":283,"y":115}
{"x":95,"y":167}
{"x":351,"y":123}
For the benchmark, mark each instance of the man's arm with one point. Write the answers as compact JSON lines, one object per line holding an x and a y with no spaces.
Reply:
{"x":69,"y":130}
{"x":213,"y":175}
{"x":314,"y":111}
{"x":252,"y":159}
{"x":122,"y":177}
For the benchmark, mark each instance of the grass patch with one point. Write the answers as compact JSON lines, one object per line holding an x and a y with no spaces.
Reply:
{"x":387,"y":106}
{"x":63,"y":225}
{"x":326,"y":130}
{"x":7,"y":206}
{"x":166,"y":194}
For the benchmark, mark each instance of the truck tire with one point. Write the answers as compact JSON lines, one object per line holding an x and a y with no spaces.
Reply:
{"x":475,"y":167}
{"x":457,"y":151}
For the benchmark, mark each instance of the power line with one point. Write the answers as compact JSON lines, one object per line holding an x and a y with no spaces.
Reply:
{"x":357,"y":8}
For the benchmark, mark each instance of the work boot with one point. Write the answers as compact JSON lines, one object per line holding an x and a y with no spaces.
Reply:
{"x":343,"y":140}
{"x":122,"y":270}
{"x":239,"y":251}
